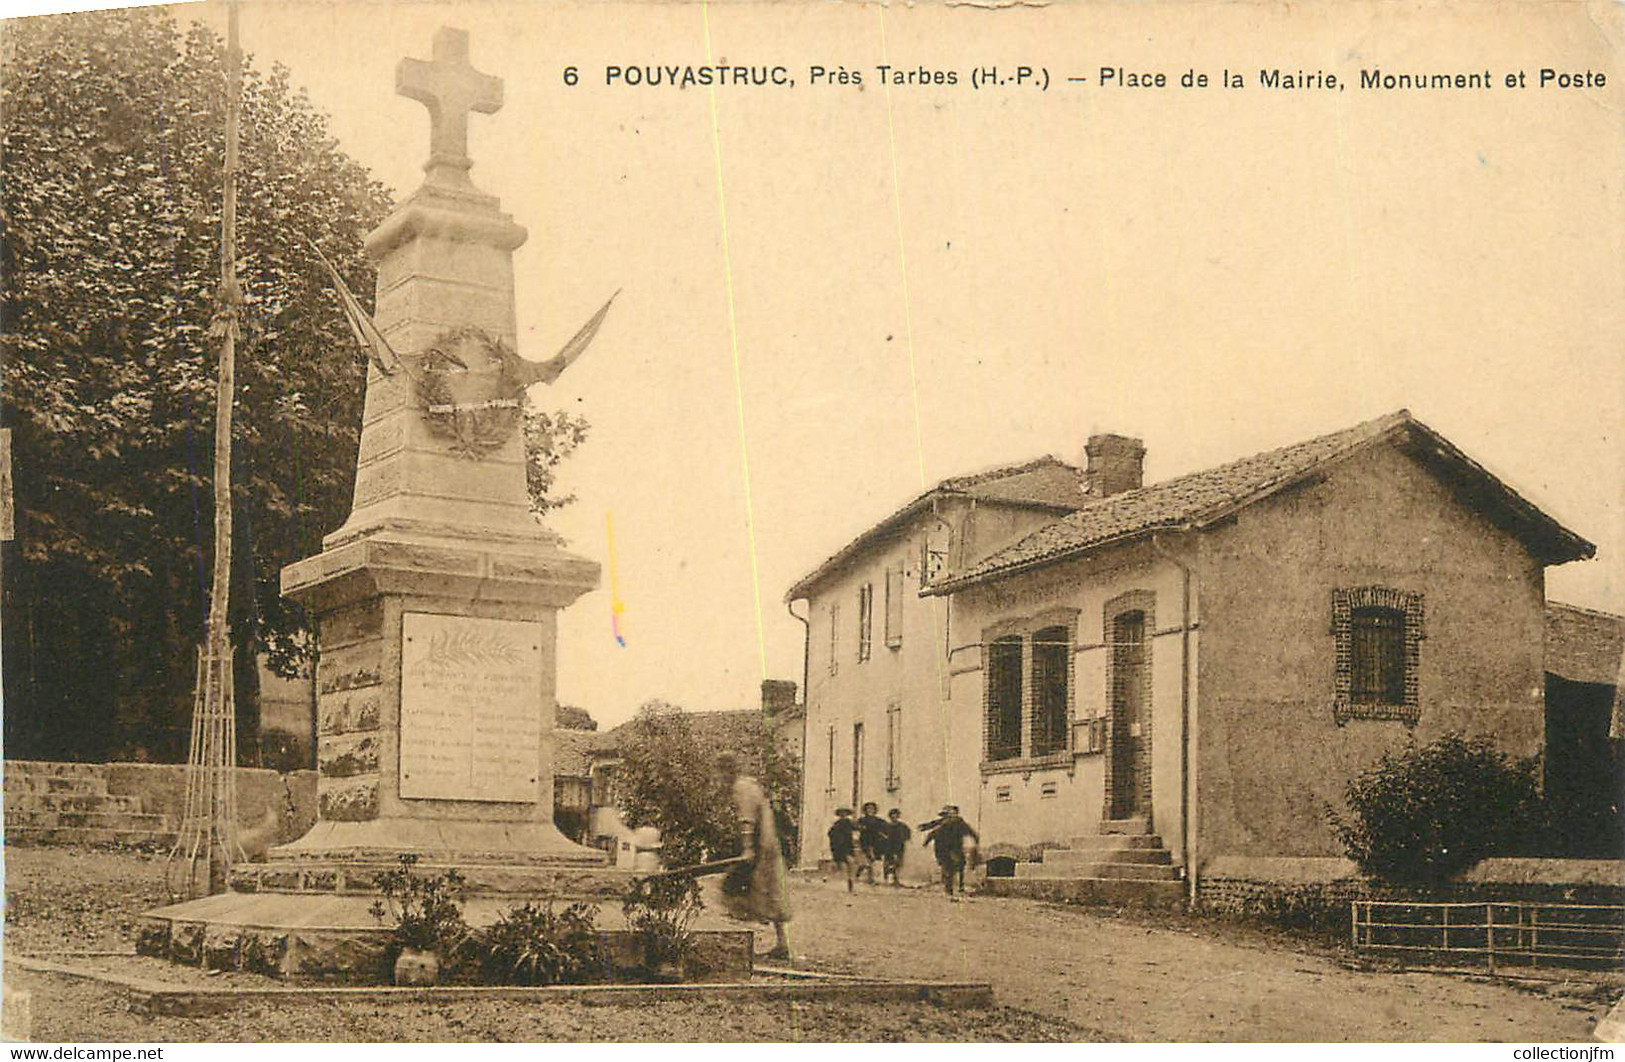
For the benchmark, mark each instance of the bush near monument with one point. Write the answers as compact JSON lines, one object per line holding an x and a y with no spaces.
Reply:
{"x":668,"y":780}
{"x":533,"y":945}
{"x":1426,"y":813}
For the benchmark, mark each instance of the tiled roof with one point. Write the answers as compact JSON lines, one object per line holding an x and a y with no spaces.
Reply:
{"x":1583,"y":645}
{"x":1201,"y":497}
{"x":570,"y":749}
{"x":734,"y":729}
{"x":1043,"y":483}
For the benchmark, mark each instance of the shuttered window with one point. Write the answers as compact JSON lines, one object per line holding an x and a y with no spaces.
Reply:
{"x":1377,"y":658}
{"x":894,"y":607}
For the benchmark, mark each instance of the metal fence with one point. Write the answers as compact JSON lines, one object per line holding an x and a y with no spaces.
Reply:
{"x":1496,"y":934}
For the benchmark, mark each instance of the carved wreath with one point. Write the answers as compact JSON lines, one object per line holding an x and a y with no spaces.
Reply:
{"x":471,"y":389}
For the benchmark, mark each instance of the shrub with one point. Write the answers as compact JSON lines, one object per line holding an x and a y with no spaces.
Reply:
{"x":669,"y":781}
{"x":428,"y":911}
{"x":659,"y":912}
{"x":1425,"y":813}
{"x":539,"y":946}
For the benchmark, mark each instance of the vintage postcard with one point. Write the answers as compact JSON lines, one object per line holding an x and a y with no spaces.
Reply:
{"x":813,"y":521}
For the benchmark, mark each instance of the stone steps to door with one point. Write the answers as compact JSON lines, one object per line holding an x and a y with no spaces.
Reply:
{"x":1106,"y":892}
{"x":1091,"y":856}
{"x":1115,"y":841}
{"x":1138,"y":825}
{"x":1118,"y":871}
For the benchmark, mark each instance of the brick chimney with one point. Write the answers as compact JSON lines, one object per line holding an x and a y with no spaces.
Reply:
{"x":1116,"y":463}
{"x":778,"y":697}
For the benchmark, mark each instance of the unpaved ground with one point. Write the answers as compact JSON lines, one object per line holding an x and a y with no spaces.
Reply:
{"x":1168,"y":978}
{"x":62,"y":899}
{"x":1069,"y":973}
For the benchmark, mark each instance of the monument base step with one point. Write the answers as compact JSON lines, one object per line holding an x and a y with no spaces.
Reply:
{"x":444,"y":841}
{"x":337,"y":938}
{"x":357,"y":876}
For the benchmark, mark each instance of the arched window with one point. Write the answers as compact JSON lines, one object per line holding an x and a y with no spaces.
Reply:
{"x":1051,"y":685}
{"x":1378,"y":632}
{"x":1004,"y":699}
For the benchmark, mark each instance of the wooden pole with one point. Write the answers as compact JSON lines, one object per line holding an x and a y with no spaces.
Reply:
{"x":207,"y":838}
{"x":226,"y":389}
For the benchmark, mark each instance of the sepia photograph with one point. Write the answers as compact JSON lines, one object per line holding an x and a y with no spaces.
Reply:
{"x":836,"y":521}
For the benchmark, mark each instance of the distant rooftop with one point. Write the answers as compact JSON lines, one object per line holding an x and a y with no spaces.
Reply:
{"x":1046,"y":483}
{"x":1200,"y":498}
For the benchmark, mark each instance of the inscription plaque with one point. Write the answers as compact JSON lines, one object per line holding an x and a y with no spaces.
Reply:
{"x":471,"y":706}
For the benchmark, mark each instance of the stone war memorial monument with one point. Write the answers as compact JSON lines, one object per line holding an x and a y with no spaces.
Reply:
{"x":435,"y":604}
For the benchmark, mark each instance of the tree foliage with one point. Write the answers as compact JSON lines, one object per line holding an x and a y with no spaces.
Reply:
{"x":549,"y":439}
{"x":112,"y":126}
{"x":668,"y":780}
{"x":1425,"y":813}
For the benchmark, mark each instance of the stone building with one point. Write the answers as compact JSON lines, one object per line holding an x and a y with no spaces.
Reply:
{"x":1151,"y":677}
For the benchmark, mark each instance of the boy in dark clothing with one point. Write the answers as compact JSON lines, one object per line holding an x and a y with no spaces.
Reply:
{"x":872,"y":839}
{"x":947,"y":835}
{"x":897,"y":835}
{"x":842,"y":841}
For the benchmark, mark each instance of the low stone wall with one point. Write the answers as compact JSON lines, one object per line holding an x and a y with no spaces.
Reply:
{"x":1315,"y":893}
{"x":273,"y":808}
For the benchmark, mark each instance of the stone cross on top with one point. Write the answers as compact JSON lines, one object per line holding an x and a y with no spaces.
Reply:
{"x":450,"y":87}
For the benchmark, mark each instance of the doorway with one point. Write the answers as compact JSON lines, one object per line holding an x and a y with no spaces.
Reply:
{"x":1130,"y":733}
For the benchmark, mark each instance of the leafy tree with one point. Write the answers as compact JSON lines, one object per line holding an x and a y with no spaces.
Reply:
{"x":112,"y":130}
{"x":668,"y":780}
{"x":111,"y":124}
{"x":1425,"y":813}
{"x":549,"y":439}
{"x":569,"y":717}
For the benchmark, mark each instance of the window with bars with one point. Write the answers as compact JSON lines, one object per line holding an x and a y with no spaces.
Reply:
{"x":894,"y":607}
{"x":1052,"y":653}
{"x":1378,"y":633}
{"x":1004,"y":689}
{"x":866,"y":616}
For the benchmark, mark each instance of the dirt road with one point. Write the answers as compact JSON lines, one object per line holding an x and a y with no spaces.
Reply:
{"x":1164,"y":978}
{"x":1079,"y":973}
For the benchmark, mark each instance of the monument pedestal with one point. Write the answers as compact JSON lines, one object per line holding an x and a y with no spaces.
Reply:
{"x":435,"y":708}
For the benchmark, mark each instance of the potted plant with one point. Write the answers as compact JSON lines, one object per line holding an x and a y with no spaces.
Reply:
{"x":659,"y":912}
{"x":428,"y":915}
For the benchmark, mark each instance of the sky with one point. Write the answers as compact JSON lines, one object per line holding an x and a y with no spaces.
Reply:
{"x":833,"y":296}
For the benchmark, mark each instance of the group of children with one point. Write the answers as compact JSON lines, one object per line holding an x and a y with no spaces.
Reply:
{"x":856,"y":844}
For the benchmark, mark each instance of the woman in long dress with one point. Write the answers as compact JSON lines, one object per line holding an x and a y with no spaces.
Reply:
{"x":758,"y":890}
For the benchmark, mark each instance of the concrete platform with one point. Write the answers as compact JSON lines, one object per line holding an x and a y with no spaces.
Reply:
{"x":312,"y":920}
